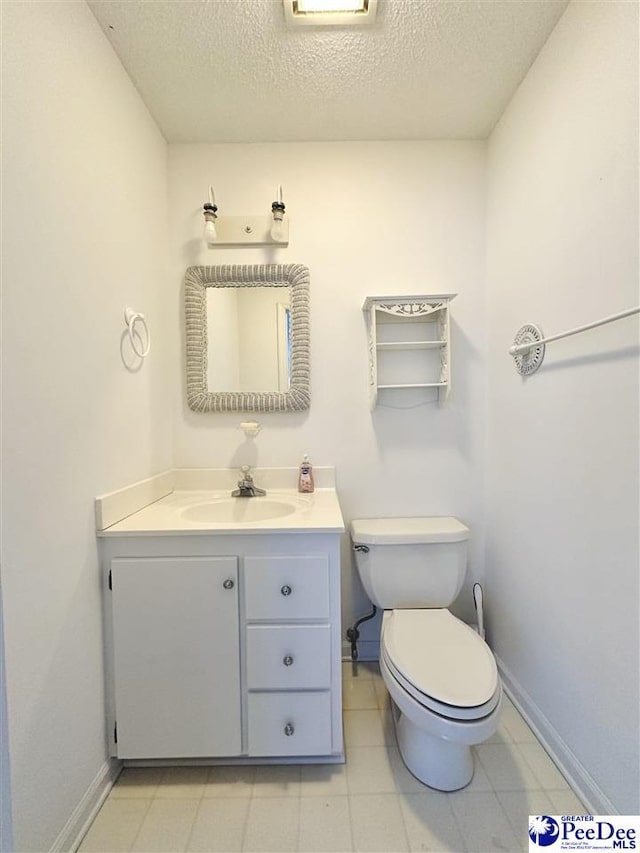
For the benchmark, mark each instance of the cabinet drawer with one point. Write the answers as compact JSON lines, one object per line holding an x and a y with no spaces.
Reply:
{"x":283,"y":588}
{"x":288,"y":657}
{"x":289,"y":723}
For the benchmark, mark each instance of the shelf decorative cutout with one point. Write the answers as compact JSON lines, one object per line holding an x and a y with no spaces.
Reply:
{"x":410,"y":309}
{"x":409,"y":344}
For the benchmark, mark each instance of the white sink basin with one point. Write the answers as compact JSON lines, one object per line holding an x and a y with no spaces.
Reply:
{"x":241,"y":510}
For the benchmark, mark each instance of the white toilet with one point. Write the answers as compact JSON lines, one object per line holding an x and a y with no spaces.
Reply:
{"x":439,"y":672}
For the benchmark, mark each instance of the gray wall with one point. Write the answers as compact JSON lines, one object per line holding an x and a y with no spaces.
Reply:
{"x":84,"y":222}
{"x":562,"y":463}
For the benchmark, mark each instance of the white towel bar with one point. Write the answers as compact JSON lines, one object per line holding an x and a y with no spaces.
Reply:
{"x":528,"y":345}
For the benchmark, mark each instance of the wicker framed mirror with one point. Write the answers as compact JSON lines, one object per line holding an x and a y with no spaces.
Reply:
{"x":247,"y":338}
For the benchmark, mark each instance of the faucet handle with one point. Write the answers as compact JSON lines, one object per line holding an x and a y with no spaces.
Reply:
{"x":246,"y":472}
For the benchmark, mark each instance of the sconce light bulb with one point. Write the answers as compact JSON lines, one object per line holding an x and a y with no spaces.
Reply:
{"x":210,"y":235}
{"x":278,"y":233}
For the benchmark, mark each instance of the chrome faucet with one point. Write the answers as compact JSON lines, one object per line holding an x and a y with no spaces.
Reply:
{"x":246,"y":487}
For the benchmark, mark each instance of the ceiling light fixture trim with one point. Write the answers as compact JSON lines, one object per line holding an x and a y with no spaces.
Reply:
{"x":329,"y":13}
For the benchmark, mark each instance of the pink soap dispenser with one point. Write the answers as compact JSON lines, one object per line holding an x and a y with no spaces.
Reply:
{"x":305,"y":476}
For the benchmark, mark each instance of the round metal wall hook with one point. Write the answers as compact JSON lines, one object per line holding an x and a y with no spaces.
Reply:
{"x":529,"y":361}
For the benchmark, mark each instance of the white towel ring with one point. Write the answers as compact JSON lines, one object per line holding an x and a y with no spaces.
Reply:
{"x":132,"y":317}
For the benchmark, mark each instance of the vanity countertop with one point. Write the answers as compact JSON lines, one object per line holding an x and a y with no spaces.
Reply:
{"x":210,"y":511}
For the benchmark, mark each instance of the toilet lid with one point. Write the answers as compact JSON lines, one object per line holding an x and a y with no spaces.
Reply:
{"x":405,"y":531}
{"x":441,"y":657}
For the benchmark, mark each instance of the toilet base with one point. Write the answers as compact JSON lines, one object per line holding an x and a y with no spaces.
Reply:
{"x":438,"y":763}
{"x":435,"y":748}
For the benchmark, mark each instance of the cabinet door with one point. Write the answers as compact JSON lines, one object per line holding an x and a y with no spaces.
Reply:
{"x":176,"y":657}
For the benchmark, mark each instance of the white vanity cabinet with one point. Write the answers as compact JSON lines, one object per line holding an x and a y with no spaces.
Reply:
{"x":224,"y":647}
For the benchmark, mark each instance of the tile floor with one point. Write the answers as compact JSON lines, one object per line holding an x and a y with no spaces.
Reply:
{"x":371,"y":803}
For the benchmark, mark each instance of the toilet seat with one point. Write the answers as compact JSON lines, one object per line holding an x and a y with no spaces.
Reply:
{"x":441,"y":662}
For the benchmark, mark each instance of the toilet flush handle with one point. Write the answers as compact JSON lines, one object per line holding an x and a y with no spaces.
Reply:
{"x":363,"y":549}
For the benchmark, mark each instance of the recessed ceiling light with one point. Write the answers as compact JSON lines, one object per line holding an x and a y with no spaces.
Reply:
{"x":331,"y":5}
{"x":323,"y":13}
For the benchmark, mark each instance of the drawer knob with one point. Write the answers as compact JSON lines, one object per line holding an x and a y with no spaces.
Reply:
{"x":285,"y":590}
{"x":228,"y":584}
{"x":289,"y":729}
{"x":287,"y":660}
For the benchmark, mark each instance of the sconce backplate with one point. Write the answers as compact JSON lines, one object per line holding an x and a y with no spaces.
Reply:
{"x":248,"y":231}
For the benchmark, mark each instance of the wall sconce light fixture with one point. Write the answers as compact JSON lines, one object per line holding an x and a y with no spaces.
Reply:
{"x":268,"y":230}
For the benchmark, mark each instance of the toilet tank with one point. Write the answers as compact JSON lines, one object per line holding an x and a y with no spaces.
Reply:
{"x":411,"y":562}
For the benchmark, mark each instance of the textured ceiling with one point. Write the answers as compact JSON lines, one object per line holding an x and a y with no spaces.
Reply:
{"x":230,"y":70}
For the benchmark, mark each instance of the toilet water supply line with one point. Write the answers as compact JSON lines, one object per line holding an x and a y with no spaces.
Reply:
{"x":477,"y":600}
{"x":353,"y":634}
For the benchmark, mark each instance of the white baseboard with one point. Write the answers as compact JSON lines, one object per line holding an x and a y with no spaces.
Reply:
{"x":80,"y":820}
{"x":367,"y":650}
{"x":585,"y":786}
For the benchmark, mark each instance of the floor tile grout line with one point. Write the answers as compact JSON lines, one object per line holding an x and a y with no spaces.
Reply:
{"x":137,"y":835}
{"x":298,"y":811}
{"x":530,"y":766}
{"x":506,"y":816}
{"x":458,"y":825}
{"x":246,"y":822}
{"x":404,"y":826}
{"x":527,"y":764}
{"x":495,"y":790}
{"x":193,"y":822}
{"x":351,"y":835}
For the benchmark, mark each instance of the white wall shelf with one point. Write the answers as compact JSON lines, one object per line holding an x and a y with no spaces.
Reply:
{"x":400,"y":326}
{"x":413,"y":385}
{"x":400,"y":345}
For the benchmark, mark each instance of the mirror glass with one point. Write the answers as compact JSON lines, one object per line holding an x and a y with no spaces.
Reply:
{"x":247,"y":338}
